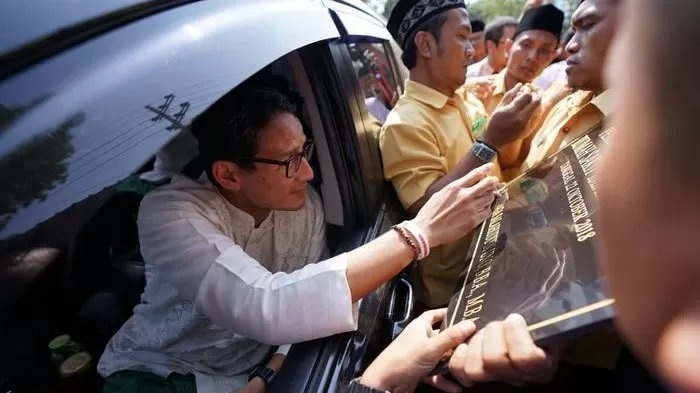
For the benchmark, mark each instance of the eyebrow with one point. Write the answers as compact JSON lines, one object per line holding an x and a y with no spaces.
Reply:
{"x":295,"y":150}
{"x":578,"y":20}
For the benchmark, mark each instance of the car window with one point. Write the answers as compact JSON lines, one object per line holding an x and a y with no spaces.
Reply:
{"x":373,"y":68}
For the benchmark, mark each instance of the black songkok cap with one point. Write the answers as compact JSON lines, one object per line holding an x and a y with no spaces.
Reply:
{"x":547,"y":18}
{"x":477,"y":25}
{"x":408,"y":15}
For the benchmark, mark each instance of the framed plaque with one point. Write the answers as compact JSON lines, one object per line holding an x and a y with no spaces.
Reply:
{"x":536,"y":254}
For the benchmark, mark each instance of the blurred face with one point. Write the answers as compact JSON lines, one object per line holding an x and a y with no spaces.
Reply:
{"x":498,"y":54}
{"x":267,"y":186}
{"x":594,"y":28}
{"x":447,"y":59}
{"x":477,"y":41}
{"x":532,"y":51}
{"x":649,"y":224}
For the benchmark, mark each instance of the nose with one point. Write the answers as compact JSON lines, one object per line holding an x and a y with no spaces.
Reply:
{"x":306,"y":173}
{"x":469,"y":50}
{"x":532,"y":55}
{"x":573,"y":46}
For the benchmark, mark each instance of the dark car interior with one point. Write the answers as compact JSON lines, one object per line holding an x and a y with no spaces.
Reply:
{"x":89,"y":288}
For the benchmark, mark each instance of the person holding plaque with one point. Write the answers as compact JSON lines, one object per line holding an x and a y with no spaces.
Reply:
{"x":649,"y":222}
{"x":427,"y":141}
{"x":594,"y":28}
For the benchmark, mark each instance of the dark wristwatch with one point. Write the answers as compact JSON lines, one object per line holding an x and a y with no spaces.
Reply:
{"x":265,"y":373}
{"x":483,"y":152}
{"x":357,"y":387}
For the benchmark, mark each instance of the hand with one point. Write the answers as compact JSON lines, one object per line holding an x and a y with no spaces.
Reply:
{"x":483,"y":91}
{"x":416,"y":352}
{"x":502,"y":351}
{"x":459,"y":207}
{"x":508,"y":122}
{"x":255,"y":385}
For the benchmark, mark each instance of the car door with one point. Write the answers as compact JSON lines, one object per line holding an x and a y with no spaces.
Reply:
{"x":370,"y":209}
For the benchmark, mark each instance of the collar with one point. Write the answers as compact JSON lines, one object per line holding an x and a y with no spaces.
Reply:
{"x":604,"y":103}
{"x":425,"y":94}
{"x":242,"y":219}
{"x":499,"y":83}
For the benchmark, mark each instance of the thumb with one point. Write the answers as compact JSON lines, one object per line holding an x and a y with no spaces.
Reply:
{"x":451,"y":337}
{"x":475,"y":175}
{"x":511,"y":94}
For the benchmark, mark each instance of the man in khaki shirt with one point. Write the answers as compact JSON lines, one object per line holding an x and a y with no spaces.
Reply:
{"x":594,"y":27}
{"x":426,"y":141}
{"x":534,"y":47}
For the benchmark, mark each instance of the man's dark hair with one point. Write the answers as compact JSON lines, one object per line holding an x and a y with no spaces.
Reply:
{"x":230,"y":129}
{"x":495,"y":29}
{"x":477,"y":25}
{"x":432,"y":26}
{"x":676,"y":99}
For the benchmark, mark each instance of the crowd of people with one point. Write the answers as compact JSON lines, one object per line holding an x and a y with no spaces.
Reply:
{"x":236,"y":259}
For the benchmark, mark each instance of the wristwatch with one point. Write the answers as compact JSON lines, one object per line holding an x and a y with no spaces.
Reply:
{"x":265,"y":373}
{"x":483,"y":152}
{"x":357,"y":387}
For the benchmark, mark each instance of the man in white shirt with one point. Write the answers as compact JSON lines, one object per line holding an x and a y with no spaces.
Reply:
{"x":230,"y":270}
{"x":498,"y":37}
{"x":177,"y":328}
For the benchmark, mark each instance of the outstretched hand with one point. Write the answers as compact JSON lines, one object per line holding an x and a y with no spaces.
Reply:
{"x":415,"y":353}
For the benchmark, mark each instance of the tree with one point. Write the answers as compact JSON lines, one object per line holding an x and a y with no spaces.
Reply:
{"x":28,"y":173}
{"x":388,"y":6}
{"x":487,"y":10}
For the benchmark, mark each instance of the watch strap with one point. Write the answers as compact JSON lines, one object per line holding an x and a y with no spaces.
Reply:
{"x":265,"y":373}
{"x":483,"y":152}
{"x":357,"y":387}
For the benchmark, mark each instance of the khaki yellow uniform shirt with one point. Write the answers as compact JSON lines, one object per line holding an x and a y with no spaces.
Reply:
{"x":424,"y":137}
{"x":498,"y":81}
{"x":569,"y":119}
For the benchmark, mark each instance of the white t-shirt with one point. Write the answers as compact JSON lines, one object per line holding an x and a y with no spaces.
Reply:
{"x":553,"y":73}
{"x":481,"y":68}
{"x":219,"y":291}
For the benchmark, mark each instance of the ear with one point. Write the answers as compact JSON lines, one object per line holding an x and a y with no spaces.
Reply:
{"x":677,"y":354}
{"x":425,"y":44}
{"x":508,"y":45}
{"x":490,"y":46}
{"x":228,"y":175}
{"x":556,"y":54}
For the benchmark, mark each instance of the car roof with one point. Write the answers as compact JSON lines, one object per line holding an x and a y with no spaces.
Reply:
{"x":22,"y":24}
{"x":30,"y":24}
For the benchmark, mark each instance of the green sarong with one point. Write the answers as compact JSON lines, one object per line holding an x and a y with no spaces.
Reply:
{"x":143,"y":382}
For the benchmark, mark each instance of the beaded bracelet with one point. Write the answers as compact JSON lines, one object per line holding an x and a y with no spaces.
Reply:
{"x":415,"y":237}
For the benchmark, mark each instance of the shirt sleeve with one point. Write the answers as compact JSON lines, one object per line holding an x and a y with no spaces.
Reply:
{"x":232,"y":289}
{"x":412,"y":160}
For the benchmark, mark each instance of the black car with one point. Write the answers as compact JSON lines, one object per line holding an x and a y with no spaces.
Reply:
{"x":92,"y":91}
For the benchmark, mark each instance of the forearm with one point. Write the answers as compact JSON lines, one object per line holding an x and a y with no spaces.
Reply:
{"x":376,"y":262}
{"x":509,"y":155}
{"x":466,"y":165}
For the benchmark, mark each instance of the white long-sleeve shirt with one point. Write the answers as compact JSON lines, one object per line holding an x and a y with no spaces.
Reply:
{"x":219,"y":291}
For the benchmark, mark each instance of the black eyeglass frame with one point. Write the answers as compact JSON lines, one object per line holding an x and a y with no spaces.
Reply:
{"x":306,"y":153}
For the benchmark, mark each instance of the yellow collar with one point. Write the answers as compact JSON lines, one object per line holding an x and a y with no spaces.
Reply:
{"x":499,"y":83}
{"x":425,"y":94}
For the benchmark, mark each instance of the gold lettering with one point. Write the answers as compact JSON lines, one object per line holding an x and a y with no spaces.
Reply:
{"x":468,"y":313}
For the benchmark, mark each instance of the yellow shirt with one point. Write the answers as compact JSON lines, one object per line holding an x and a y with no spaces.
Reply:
{"x":569,"y":119}
{"x":424,"y":137}
{"x":498,"y":81}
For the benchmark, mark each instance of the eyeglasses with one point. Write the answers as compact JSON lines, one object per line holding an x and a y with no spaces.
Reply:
{"x":291,"y":164}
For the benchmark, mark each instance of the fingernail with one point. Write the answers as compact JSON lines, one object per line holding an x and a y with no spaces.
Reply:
{"x":514,"y":318}
{"x":467,"y":327}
